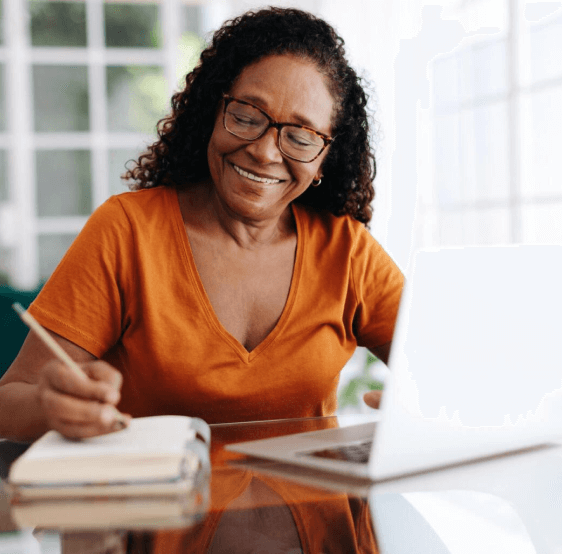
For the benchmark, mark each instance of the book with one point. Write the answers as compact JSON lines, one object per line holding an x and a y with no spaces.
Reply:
{"x":144,"y":513}
{"x":154,"y":456}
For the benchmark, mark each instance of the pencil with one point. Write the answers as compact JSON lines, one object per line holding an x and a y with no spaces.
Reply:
{"x":57,"y":350}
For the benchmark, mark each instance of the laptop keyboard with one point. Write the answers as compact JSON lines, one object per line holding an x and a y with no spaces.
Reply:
{"x":357,"y":453}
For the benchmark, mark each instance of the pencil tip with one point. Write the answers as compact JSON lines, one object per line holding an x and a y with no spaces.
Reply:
{"x":18,"y":307}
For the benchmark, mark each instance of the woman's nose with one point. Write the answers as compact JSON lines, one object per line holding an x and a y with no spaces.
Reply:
{"x":265,"y":149}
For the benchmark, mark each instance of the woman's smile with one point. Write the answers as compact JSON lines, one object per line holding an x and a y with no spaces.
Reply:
{"x":254,"y":177}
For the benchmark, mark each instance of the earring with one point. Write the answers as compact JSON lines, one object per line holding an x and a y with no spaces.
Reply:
{"x":316,"y":182}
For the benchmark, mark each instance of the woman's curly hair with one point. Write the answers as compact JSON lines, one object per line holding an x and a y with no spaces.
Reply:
{"x":179,"y":156}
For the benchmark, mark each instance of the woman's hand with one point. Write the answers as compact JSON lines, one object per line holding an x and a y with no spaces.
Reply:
{"x":373,"y":398}
{"x":77,"y":406}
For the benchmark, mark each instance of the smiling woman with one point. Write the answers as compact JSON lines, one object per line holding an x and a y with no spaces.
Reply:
{"x":292,"y":90}
{"x":237,"y":278}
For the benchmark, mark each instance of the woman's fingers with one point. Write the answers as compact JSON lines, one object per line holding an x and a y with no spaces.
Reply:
{"x":100,"y":381}
{"x":76,"y":410}
{"x":373,"y":398}
{"x":83,"y":431}
{"x":103,"y":373}
{"x":80,"y":406}
{"x":78,"y":418}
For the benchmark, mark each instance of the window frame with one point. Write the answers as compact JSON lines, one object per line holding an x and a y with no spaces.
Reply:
{"x":21,"y":228}
{"x":433,"y":213}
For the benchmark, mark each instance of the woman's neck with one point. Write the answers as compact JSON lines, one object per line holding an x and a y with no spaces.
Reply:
{"x":202,"y":207}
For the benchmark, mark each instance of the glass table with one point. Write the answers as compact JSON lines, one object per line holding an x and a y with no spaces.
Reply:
{"x":507,"y":504}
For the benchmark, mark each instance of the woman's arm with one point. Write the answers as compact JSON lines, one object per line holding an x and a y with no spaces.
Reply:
{"x":39,"y":393}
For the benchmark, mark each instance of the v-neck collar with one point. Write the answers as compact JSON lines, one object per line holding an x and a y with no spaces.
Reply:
{"x":204,"y":301}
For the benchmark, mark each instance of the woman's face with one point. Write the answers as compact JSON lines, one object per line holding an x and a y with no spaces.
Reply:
{"x":290,"y":90}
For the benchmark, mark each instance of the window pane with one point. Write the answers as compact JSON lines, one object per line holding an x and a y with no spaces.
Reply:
{"x":466,"y":79}
{"x":51,"y":250}
{"x":2,"y":100}
{"x":487,"y":226}
{"x":137,"y":98}
{"x":191,"y":19}
{"x":132,"y":26}
{"x":447,"y":159}
{"x":446,"y":81}
{"x":60,"y":97}
{"x":3,"y":177}
{"x":540,"y":144}
{"x":490,"y":68}
{"x":191,"y":43}
{"x":117,"y":160}
{"x":63,"y":182}
{"x":58,"y":23}
{"x":450,"y":229}
{"x":483,"y":70}
{"x":542,"y":223}
{"x":485,"y":153}
{"x":546,"y":45}
{"x":535,"y":11}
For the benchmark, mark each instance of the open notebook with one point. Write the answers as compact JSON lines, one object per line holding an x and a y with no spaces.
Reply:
{"x":475,"y":369}
{"x":154,"y":456}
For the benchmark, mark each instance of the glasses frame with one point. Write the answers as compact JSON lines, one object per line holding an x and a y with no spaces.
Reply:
{"x":272,"y":123}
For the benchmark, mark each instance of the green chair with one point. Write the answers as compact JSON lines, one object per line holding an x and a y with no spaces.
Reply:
{"x":12,"y":330}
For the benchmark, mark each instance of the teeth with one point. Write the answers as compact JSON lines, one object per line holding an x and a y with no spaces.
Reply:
{"x":255,"y":177}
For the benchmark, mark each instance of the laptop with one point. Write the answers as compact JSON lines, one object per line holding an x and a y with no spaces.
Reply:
{"x":475,"y":369}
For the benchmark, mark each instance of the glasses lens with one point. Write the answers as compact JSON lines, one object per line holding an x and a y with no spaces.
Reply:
{"x":244,"y":121}
{"x":250,"y":123}
{"x":299,"y":143}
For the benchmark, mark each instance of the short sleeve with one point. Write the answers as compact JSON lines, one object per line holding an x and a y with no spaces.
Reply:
{"x":82,"y":300}
{"x":378,"y":284}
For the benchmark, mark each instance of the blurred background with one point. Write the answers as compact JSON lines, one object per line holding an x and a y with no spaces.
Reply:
{"x":467,"y":96}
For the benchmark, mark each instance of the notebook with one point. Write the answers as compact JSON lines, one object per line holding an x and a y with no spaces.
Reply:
{"x":153,"y":456}
{"x":475,"y":369}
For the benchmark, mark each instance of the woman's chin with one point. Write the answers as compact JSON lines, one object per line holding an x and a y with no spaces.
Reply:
{"x":254,"y":202}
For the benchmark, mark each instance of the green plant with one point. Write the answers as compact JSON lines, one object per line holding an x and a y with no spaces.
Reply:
{"x":350,"y":395}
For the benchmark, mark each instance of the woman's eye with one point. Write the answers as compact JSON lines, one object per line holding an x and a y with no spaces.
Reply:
{"x":244,"y":120}
{"x":299,"y":140}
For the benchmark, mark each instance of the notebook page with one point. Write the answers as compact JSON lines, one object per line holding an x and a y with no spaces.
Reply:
{"x":147,"y":435}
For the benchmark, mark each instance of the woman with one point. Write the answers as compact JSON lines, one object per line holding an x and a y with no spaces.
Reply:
{"x":238,"y":278}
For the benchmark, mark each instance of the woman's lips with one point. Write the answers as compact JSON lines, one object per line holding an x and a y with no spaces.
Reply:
{"x":253,"y":177}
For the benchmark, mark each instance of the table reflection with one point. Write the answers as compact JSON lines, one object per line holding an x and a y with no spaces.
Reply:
{"x":251,"y":514}
{"x":256,"y":513}
{"x":260,"y":520}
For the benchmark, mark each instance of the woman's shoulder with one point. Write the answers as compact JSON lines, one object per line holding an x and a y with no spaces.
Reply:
{"x":321,"y":224}
{"x":137,"y":212}
{"x":139,"y":205}
{"x":143,"y":198}
{"x":341,"y":238}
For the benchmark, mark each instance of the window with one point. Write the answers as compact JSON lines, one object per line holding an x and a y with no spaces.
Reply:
{"x":496,"y":117}
{"x":82,"y":85}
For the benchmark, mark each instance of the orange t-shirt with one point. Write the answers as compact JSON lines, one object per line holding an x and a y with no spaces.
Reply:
{"x":128,"y":292}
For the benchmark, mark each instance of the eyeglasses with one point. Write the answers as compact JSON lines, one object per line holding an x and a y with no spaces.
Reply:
{"x":248,"y":122}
